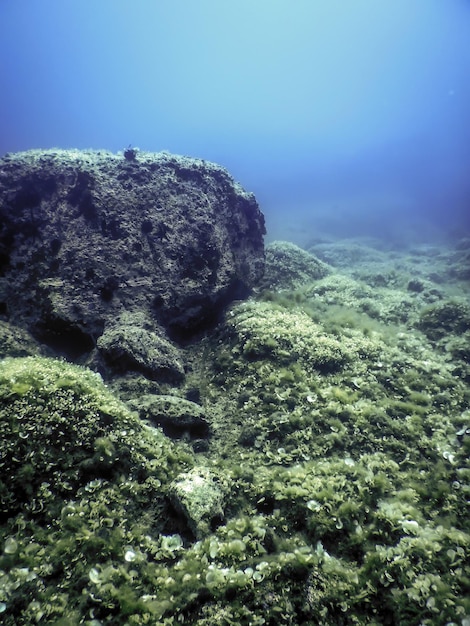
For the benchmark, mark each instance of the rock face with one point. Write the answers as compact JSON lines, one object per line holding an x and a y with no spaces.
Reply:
{"x":86,"y":236}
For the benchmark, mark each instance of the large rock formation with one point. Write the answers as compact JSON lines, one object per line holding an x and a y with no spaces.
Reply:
{"x":88,"y":238}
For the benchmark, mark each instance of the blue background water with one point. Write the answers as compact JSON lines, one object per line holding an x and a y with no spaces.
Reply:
{"x":343,"y":116}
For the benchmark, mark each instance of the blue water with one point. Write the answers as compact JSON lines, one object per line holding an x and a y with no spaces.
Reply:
{"x":345,"y":118}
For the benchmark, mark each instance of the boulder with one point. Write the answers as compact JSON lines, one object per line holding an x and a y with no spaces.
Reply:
{"x":88,"y":235}
{"x":132,"y":344}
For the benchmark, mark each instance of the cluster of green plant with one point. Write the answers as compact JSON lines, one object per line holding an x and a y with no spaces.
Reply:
{"x":285,"y":404}
{"x":61,"y":426}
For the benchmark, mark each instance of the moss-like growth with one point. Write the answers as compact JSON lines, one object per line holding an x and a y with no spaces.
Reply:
{"x":61,"y":428}
{"x":265,"y":330}
{"x":83,"y":487}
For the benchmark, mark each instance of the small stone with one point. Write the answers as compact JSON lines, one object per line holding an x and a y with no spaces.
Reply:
{"x":200,"y":495}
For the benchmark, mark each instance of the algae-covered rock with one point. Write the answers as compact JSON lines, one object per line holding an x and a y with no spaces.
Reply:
{"x":84,"y":494}
{"x":85,"y":235}
{"x":16,"y":342}
{"x":130,"y":344}
{"x":378,"y":302}
{"x":289,"y":267}
{"x":62,"y":428}
{"x":333,"y":489}
{"x":445,"y":318}
{"x":177,"y":416}
{"x":346,"y":253}
{"x":459,"y":346}
{"x":200,"y":495}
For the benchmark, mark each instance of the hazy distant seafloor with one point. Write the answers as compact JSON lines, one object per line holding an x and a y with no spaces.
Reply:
{"x":334,"y":487}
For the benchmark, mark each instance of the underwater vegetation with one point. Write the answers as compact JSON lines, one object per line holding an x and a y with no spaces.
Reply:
{"x":333,"y":486}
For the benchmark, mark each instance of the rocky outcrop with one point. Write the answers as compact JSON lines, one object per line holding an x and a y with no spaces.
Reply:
{"x":87,"y":236}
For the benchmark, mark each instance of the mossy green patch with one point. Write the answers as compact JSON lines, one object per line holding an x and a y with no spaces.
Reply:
{"x":264,"y":330}
{"x":61,"y":427}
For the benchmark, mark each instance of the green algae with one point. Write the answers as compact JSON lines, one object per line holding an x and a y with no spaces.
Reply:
{"x":61,"y":426}
{"x":345,"y":441}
